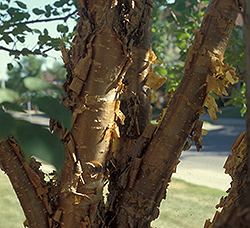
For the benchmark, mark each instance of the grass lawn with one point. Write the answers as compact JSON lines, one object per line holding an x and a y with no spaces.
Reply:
{"x":186,"y":206}
{"x":11,"y":215}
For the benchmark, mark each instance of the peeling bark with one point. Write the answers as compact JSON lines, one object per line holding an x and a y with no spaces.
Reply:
{"x":236,"y":206}
{"x":110,"y":61}
{"x":25,"y":185}
{"x":137,"y":205}
{"x":237,"y":167}
{"x":96,"y":64}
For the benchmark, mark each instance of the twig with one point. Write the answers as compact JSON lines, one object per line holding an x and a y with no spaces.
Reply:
{"x":43,"y":20}
{"x":26,"y":52}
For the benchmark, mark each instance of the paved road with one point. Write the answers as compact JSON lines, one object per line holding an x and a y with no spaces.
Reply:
{"x":206,"y":167}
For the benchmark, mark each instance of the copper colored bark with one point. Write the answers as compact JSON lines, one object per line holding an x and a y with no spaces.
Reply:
{"x":236,"y":206}
{"x":112,"y":55}
{"x":137,"y":204}
{"x":25,"y":184}
{"x":96,"y":64}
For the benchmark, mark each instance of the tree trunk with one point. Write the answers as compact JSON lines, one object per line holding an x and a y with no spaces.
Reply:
{"x":96,"y":65}
{"x":114,"y":140}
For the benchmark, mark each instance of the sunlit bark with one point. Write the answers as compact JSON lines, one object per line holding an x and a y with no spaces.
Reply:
{"x":137,"y":204}
{"x":110,"y":60}
{"x":26,"y":184}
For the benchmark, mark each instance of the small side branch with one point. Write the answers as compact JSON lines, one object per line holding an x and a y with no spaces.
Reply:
{"x":44,"y":20}
{"x":32,"y":205}
{"x":24,"y":52}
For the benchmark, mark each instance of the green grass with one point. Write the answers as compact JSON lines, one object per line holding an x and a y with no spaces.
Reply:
{"x":11,"y":215}
{"x":187,"y":205}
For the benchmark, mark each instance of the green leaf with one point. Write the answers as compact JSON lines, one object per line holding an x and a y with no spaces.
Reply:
{"x":21,"y":38}
{"x":21,"y":4}
{"x":54,"y":110}
{"x":7,"y":123}
{"x":7,"y":38}
{"x":55,"y":13}
{"x":48,"y":8}
{"x":47,"y":14}
{"x":25,"y":51}
{"x":59,"y":3}
{"x":8,"y":95}
{"x":35,"y":84}
{"x":62,"y":28}
{"x":46,"y":32}
{"x":37,"y":141}
{"x":66,"y":10}
{"x":3,"y":6}
{"x":20,"y":29}
{"x":12,"y":11}
{"x":37,"y":31}
{"x":181,"y":35}
{"x":12,"y":107}
{"x":38,"y":11}
{"x":181,"y":44}
{"x":10,"y":66}
{"x":206,"y":1}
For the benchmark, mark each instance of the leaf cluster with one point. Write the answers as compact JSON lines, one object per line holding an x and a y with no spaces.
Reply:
{"x":33,"y":139}
{"x":173,"y":29}
{"x":17,"y":22}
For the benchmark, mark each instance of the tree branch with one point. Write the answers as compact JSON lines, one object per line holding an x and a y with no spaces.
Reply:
{"x":24,"y":52}
{"x":14,"y":167}
{"x":44,"y":20}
